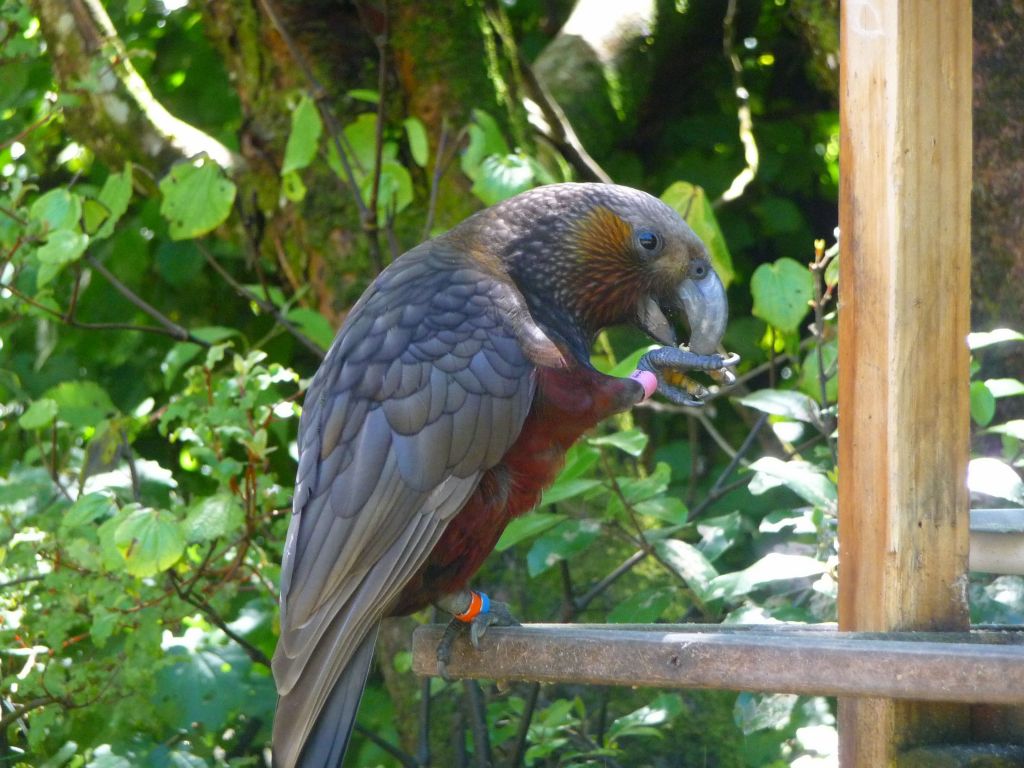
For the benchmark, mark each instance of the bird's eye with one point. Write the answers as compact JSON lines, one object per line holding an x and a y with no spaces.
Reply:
{"x":647,"y":239}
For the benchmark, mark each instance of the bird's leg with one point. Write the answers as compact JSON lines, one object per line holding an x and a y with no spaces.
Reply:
{"x":472,"y":611}
{"x":669,"y":365}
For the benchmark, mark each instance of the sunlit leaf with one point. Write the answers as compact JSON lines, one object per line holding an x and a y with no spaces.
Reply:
{"x":764,"y":711}
{"x":783,"y":402}
{"x":691,"y":202}
{"x":212,"y":517}
{"x":690,"y":563}
{"x":61,"y":248}
{"x":562,"y":542}
{"x":781,"y":293}
{"x":56,"y":209}
{"x":526,"y":527}
{"x":81,"y":403}
{"x":1005,"y":387}
{"x":150,"y":540}
{"x":643,"y":607}
{"x":719,"y":534}
{"x":982,"y":339}
{"x":419,"y":147}
{"x":312,"y":324}
{"x":87,"y":509}
{"x":115,"y":196}
{"x":39,"y":414}
{"x":631,"y":441}
{"x":1014,"y":428}
{"x":983,"y":404}
{"x":803,"y":478}
{"x":196,"y":198}
{"x":770,"y":568}
{"x":304,"y":137}
{"x":993,"y":477}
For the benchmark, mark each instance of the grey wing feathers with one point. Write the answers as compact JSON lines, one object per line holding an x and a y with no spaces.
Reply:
{"x":423,"y":390}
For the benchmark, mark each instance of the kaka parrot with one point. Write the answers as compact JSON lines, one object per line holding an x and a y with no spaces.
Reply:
{"x":446,"y":405}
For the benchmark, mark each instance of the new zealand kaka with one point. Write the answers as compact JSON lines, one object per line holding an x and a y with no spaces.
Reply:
{"x":446,"y":405}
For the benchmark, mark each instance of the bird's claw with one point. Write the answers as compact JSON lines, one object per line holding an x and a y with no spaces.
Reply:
{"x":498,"y":615}
{"x":669,"y":365}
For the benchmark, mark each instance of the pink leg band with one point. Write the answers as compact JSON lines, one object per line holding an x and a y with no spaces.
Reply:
{"x":647,"y":380}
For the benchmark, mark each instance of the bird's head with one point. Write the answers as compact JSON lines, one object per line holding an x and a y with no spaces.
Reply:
{"x":588,"y":256}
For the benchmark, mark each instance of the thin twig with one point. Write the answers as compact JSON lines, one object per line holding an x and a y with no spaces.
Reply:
{"x":23,"y":580}
{"x":254,"y":653}
{"x":435,"y":180}
{"x":372,"y":222}
{"x":265,"y":305}
{"x":177,"y":331}
{"x":21,"y":710}
{"x":478,"y":723}
{"x":519,"y":752}
{"x":746,"y":129}
{"x":745,"y":446}
{"x":407,"y":760}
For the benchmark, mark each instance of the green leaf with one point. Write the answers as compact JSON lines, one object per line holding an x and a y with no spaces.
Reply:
{"x":365,"y":94}
{"x":419,"y":147}
{"x":485,"y":139}
{"x":562,"y":542}
{"x":63,"y":247}
{"x":690,"y":563}
{"x":212,"y":517}
{"x":196,"y":198}
{"x":293,"y":187}
{"x":772,"y":567}
{"x":994,"y":477}
{"x":103,"y":624}
{"x":630,"y":441}
{"x":983,"y":404}
{"x":395,"y":191}
{"x":764,"y":711}
{"x":643,"y":607}
{"x":783,"y":402}
{"x":56,"y":209}
{"x":810,"y":383}
{"x":526,"y":527}
{"x":361,"y":135}
{"x":781,"y":293}
{"x":104,"y":757}
{"x":150,"y":540}
{"x":81,"y":403}
{"x":39,"y":414}
{"x":804,"y":479}
{"x":313,"y":324}
{"x":115,"y":196}
{"x":503,"y":176}
{"x":982,"y":339}
{"x":87,"y":509}
{"x":668,"y":508}
{"x":561,"y":490}
{"x":719,"y":534}
{"x":665,"y":707}
{"x":691,"y":202}
{"x":304,"y":137}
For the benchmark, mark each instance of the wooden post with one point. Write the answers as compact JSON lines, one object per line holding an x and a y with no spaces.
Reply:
{"x":905,"y":116}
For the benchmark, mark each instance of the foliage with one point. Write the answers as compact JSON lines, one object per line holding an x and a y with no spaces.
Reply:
{"x":152,"y":362}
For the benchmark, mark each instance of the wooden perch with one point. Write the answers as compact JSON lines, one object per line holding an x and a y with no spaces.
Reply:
{"x":979,"y":666}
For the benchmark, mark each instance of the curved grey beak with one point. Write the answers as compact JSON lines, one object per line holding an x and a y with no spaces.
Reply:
{"x":707,"y":310}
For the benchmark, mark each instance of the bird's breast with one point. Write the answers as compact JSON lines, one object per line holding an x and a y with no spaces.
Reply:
{"x":568,"y":402}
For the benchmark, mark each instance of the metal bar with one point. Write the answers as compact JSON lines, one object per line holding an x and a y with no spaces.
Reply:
{"x":981,"y":666}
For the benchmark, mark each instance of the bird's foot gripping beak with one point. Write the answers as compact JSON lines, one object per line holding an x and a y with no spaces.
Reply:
{"x":703,"y":299}
{"x":669,"y":365}
{"x":472,"y":611}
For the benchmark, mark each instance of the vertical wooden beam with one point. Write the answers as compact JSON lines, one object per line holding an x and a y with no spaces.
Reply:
{"x":905,"y":115}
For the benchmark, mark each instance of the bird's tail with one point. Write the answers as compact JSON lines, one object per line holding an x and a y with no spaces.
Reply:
{"x":328,"y":738}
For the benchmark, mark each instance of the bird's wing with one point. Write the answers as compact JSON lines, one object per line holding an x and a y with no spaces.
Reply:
{"x":425,"y":388}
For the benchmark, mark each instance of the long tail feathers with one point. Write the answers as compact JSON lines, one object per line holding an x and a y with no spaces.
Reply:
{"x":326,"y":743}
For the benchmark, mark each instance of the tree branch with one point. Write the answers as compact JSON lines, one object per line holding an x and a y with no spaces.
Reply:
{"x":118,"y":117}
